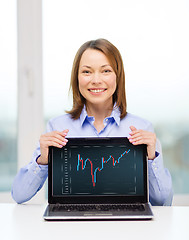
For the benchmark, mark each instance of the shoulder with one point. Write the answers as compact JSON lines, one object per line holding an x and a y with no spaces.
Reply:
{"x":138,"y":122}
{"x":60,"y":118}
{"x":60,"y":122}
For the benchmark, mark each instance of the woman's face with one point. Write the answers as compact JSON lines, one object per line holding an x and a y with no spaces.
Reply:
{"x":97,"y":79}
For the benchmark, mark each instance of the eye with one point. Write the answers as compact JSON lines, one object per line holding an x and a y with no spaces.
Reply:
{"x":86,"y":72}
{"x":107,"y":70}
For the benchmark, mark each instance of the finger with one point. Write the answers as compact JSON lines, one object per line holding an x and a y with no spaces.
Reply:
{"x":46,"y":140}
{"x":133,"y":128}
{"x":54,"y":144}
{"x":58,"y":135}
{"x":142,"y":140}
{"x":138,"y":142}
{"x":60,"y":141}
{"x":51,"y":140}
{"x":65,"y":132}
{"x":137,"y":134}
{"x":136,"y":139}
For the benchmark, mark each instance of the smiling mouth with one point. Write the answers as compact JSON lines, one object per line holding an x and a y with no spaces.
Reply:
{"x":97,"y":90}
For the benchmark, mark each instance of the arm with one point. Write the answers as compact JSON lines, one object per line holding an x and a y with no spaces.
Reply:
{"x":31,"y":178}
{"x":160,"y":183}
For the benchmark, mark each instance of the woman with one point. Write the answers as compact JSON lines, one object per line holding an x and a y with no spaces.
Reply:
{"x":99,"y":109}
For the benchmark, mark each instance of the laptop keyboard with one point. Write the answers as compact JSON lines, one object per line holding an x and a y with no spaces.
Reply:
{"x":98,"y":207}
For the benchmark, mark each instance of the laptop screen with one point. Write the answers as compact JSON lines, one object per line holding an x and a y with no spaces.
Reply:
{"x":97,"y":167}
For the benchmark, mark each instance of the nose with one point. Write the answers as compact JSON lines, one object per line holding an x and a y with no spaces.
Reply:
{"x":96,"y":79}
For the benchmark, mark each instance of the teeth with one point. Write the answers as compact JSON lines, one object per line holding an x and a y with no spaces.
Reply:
{"x":97,"y":90}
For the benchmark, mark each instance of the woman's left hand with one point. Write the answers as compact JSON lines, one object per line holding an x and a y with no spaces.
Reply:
{"x":144,"y":137}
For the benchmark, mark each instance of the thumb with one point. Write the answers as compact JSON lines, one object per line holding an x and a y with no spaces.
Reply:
{"x":132,"y":128}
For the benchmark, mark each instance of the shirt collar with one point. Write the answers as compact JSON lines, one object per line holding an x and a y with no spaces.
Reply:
{"x":115,"y":115}
{"x":83,"y":115}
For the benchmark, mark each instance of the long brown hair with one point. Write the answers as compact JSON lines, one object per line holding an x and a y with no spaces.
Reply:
{"x":115,"y":59}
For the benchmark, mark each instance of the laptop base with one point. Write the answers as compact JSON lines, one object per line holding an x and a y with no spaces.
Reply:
{"x":50,"y":215}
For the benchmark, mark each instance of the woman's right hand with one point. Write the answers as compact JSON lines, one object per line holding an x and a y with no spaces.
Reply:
{"x":56,"y":139}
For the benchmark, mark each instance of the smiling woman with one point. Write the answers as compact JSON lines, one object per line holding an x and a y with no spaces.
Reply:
{"x":99,"y":110}
{"x":98,"y":67}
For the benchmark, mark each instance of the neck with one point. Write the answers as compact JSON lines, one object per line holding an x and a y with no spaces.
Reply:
{"x":99,"y":112}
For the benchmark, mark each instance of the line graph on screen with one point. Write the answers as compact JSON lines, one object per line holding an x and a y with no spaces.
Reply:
{"x":82,"y":164}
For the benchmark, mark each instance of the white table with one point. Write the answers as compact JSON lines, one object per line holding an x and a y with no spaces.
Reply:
{"x":25,"y":222}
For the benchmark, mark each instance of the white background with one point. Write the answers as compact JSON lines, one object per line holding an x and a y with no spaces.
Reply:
{"x":152,"y":37}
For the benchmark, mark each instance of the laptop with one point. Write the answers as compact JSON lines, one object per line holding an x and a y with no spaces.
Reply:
{"x":98,"y":179}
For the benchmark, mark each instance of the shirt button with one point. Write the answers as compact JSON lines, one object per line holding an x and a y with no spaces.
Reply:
{"x":153,"y":164}
{"x":35,"y":172}
{"x":155,"y":168}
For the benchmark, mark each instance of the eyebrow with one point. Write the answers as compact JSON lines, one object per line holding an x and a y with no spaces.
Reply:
{"x":86,"y":66}
{"x":106,"y":65}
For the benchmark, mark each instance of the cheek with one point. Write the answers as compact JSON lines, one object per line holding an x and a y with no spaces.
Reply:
{"x":82,"y":84}
{"x":113,"y":82}
{"x":83,"y":80}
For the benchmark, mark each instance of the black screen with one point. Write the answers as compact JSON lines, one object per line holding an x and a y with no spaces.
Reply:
{"x":88,"y":167}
